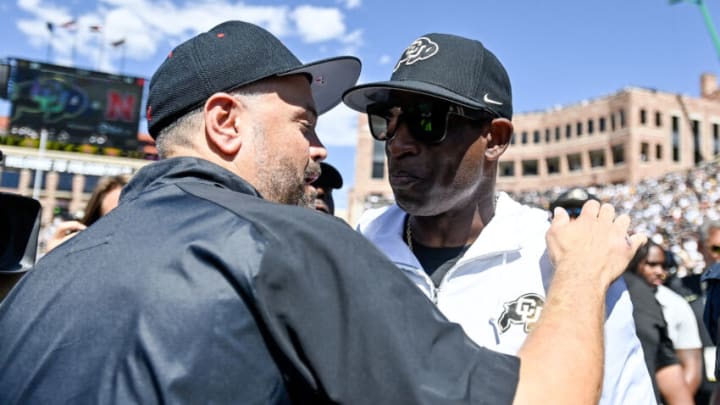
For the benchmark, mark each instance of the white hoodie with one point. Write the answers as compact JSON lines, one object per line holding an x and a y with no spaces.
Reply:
{"x":496,"y":291}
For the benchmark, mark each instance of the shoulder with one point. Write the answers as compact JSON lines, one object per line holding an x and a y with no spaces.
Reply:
{"x":374,"y":220}
{"x":533,"y":216}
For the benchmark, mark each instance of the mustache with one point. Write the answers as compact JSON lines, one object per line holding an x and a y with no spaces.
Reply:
{"x":313,"y":170}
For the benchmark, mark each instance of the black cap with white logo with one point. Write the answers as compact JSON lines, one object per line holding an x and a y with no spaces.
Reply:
{"x":449,"y":67}
{"x":231,"y":55}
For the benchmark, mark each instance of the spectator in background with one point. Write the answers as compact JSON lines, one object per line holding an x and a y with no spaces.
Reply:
{"x":691,"y":289}
{"x":329,"y":180}
{"x":669,"y":208}
{"x":709,"y":242}
{"x":709,"y":246}
{"x":683,"y":327}
{"x":644,"y":274}
{"x":712,"y":317}
{"x":104,"y":198}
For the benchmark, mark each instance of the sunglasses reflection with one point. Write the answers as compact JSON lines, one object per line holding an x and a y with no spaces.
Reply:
{"x":427,"y":122}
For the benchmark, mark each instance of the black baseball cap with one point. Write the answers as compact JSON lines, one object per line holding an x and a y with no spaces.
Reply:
{"x":449,"y":67}
{"x":329,"y":177}
{"x":230,"y":55}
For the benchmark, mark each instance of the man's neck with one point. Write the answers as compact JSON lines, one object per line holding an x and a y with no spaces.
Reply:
{"x":453,"y":228}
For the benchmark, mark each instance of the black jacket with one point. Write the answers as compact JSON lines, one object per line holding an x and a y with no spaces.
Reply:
{"x":650,"y":326}
{"x":196,"y":290}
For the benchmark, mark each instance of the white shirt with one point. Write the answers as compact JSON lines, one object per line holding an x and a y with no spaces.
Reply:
{"x":680,"y":318}
{"x":496,"y":291}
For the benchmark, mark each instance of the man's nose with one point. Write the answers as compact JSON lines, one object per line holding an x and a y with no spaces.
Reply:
{"x":402,"y":142}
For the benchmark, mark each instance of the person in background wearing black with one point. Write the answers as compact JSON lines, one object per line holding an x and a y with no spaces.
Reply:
{"x":329,"y":180}
{"x":660,"y":356}
{"x":208,"y":284}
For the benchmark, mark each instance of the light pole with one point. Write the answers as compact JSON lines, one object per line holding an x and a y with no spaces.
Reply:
{"x":708,"y":21}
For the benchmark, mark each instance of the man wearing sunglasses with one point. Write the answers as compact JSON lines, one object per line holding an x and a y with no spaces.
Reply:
{"x":444,"y":116}
{"x":709,"y":242}
{"x":709,"y":246}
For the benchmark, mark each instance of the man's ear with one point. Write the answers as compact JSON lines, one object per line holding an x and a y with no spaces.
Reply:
{"x":223,"y":114}
{"x":499,"y":134}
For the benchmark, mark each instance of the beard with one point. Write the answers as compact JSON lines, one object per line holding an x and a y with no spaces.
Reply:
{"x":278,"y":177}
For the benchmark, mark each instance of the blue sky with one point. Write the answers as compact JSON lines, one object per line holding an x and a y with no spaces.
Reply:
{"x":556,"y":51}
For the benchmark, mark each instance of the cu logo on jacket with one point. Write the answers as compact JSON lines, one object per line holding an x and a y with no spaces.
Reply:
{"x":523,"y":311}
{"x":421,"y":49}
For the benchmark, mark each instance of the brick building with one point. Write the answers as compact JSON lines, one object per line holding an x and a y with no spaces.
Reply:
{"x":66,"y":179}
{"x":632,"y":134}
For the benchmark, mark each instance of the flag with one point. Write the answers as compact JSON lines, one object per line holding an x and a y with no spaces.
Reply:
{"x":50,"y":26}
{"x":95,"y":28}
{"x":118,"y":42}
{"x":69,"y":24}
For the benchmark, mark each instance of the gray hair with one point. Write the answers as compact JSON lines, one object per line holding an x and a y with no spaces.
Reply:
{"x":180,"y":132}
{"x":704,"y":231}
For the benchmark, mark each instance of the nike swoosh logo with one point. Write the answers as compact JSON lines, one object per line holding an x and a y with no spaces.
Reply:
{"x":491,"y":101}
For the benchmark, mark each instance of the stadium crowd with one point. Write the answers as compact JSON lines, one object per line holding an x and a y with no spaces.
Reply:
{"x":669,"y":209}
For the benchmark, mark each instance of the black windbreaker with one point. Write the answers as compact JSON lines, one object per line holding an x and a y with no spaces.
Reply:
{"x":196,"y":290}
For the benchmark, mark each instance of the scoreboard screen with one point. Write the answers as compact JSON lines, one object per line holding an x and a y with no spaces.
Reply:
{"x":75,"y":106}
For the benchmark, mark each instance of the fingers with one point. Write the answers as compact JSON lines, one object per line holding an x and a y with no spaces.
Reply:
{"x":623,"y":221}
{"x":637,"y":240}
{"x":607,"y":212}
{"x":560,"y":216}
{"x":68,"y":227}
{"x":596,"y":241}
{"x":590,"y":209}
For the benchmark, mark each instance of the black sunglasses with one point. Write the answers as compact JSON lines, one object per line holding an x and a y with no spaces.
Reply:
{"x":715,"y":249}
{"x":427,"y":122}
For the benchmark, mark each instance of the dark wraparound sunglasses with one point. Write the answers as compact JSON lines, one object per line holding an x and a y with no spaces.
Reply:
{"x":715,"y":249}
{"x":427,"y":122}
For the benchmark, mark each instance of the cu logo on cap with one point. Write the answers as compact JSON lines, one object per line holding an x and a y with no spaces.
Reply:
{"x":421,"y":49}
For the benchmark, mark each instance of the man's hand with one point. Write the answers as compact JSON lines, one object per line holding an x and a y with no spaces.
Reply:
{"x":596,"y":242}
{"x":588,"y":253}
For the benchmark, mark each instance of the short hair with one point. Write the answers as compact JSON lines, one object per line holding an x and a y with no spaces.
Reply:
{"x":94,"y":205}
{"x":180,"y":131}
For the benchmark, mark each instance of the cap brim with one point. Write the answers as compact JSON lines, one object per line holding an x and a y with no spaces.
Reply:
{"x":359,"y":97}
{"x":329,"y":176}
{"x":330,"y":79}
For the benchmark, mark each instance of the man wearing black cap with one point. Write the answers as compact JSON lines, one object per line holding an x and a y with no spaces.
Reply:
{"x":572,"y":201}
{"x":480,"y":256}
{"x":329,"y":180}
{"x":200,"y":288}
